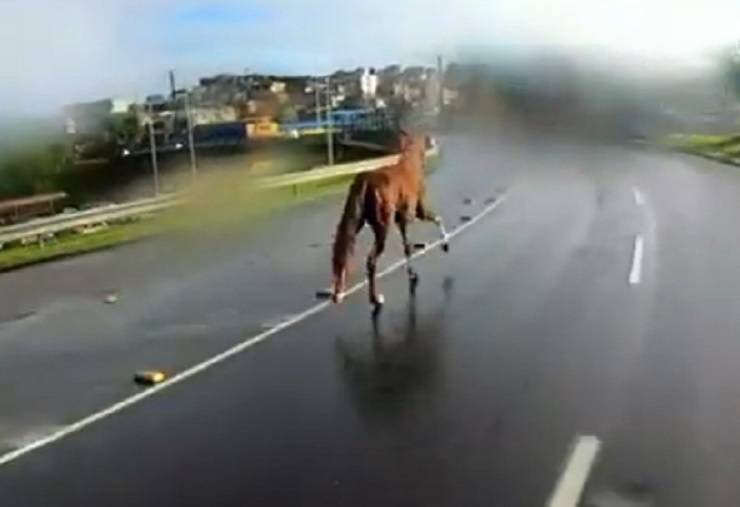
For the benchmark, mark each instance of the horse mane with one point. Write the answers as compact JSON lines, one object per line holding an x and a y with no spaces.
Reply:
{"x":413,"y":147}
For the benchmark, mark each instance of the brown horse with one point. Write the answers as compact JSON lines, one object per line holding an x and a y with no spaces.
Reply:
{"x":395,"y":193}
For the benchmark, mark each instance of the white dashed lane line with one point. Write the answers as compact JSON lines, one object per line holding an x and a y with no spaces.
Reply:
{"x":577,"y":468}
{"x":637,"y":252}
{"x":638,"y":195}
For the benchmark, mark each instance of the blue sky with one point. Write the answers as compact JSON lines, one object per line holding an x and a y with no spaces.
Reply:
{"x":55,"y":51}
{"x":221,"y":14}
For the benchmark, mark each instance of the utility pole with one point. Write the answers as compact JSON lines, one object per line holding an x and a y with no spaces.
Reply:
{"x":318,"y":104}
{"x":188,"y":122}
{"x":329,"y":133}
{"x":191,"y":142}
{"x":440,"y":83}
{"x":172,"y":85}
{"x":153,"y":150}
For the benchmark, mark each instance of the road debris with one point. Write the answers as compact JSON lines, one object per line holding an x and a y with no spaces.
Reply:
{"x":149,"y":377}
{"x":324,"y":294}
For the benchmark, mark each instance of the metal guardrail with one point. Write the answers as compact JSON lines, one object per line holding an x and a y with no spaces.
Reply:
{"x":367,"y":146}
{"x":334,"y":171}
{"x":61,"y":217}
{"x":47,"y":227}
{"x":326,"y":172}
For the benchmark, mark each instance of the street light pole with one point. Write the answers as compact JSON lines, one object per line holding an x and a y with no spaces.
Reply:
{"x":329,"y":133}
{"x":153,"y":150}
{"x":188,"y":123}
{"x":191,"y":143}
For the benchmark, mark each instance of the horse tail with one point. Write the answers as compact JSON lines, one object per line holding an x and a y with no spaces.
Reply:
{"x":353,"y":218}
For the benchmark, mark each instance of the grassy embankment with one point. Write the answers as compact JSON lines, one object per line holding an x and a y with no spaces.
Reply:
{"x":221,"y":200}
{"x":725,"y":148}
{"x":212,"y":206}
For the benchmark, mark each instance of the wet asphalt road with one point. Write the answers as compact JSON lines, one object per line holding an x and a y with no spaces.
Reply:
{"x":469,"y":393}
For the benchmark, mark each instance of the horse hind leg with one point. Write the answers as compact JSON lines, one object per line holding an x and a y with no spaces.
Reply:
{"x":413,"y":276}
{"x":381,"y":232}
{"x":427,"y":215}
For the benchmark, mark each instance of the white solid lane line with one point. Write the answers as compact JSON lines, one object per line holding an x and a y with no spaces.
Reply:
{"x":639,"y":198}
{"x":573,"y":478}
{"x":637,"y":252}
{"x":236,"y":349}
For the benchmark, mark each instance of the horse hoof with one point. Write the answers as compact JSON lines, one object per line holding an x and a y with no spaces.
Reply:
{"x":375,"y":313}
{"x":446,"y":247}
{"x":378,"y":300}
{"x":338,"y":298}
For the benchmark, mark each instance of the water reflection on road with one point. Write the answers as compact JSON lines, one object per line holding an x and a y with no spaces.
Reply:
{"x":397,"y":363}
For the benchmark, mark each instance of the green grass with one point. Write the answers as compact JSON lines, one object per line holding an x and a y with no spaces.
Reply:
{"x":73,"y":244}
{"x":732,"y":150}
{"x":702,"y":141}
{"x":722,"y":145}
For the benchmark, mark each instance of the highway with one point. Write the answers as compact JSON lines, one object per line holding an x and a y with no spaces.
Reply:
{"x":597,"y":299}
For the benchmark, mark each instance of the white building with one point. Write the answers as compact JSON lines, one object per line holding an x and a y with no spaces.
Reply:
{"x":121,"y":105}
{"x":369,"y":83}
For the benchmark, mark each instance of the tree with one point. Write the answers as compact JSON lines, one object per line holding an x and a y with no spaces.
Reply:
{"x":31,"y":170}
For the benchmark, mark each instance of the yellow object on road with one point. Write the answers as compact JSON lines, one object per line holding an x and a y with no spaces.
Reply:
{"x":149,"y":378}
